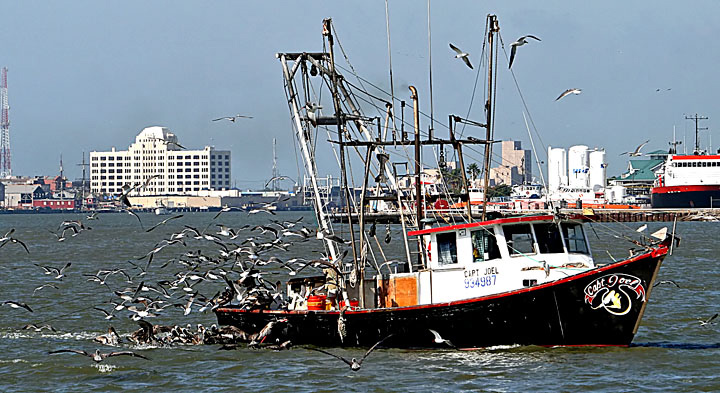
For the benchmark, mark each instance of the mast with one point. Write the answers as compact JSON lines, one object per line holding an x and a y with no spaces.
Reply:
{"x":327,"y":31}
{"x":418,"y":179}
{"x":307,"y":153}
{"x":697,"y":118}
{"x":493,"y":28}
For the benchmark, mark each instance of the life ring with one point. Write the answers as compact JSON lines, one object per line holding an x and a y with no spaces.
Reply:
{"x":581,"y":195}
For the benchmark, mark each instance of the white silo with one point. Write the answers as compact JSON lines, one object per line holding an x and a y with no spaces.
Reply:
{"x":557,"y":168}
{"x":598,"y":171}
{"x":578,"y":166}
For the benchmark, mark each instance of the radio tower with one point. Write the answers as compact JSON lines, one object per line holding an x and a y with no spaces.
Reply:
{"x":275,"y":172}
{"x":4,"y":127}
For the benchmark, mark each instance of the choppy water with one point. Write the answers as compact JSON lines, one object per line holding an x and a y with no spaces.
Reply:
{"x":671,"y":351}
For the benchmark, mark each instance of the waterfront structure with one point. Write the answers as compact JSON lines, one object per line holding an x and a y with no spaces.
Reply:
{"x":640,"y":175}
{"x":157,"y":155}
{"x":21,"y":196}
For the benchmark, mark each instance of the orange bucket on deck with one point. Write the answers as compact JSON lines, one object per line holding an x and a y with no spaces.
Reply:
{"x":354,"y":303}
{"x":316,"y":302}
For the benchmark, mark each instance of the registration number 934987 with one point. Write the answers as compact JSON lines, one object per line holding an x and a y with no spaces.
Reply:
{"x":480,"y":282}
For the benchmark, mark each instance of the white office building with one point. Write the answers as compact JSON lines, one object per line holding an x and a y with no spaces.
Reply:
{"x":156,"y":152}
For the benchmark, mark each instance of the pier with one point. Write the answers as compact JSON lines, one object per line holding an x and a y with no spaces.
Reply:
{"x":600,"y":215}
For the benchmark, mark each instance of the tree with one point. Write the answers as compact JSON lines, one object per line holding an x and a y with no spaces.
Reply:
{"x":474,"y":170}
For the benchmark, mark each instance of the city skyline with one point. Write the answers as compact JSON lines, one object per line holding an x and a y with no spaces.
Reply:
{"x":87,"y":76}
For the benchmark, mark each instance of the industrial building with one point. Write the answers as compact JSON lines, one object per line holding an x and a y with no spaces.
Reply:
{"x":157,"y":154}
{"x":578,"y":173}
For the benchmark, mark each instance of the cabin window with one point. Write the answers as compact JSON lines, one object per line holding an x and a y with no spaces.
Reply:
{"x":519,"y":239}
{"x":575,"y":238}
{"x":485,"y":245}
{"x":447,"y":248}
{"x":548,"y":238}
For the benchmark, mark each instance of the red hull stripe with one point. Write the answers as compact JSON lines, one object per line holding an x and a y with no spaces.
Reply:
{"x":703,"y":158}
{"x":669,"y":189}
{"x":511,"y":220}
{"x":661,"y":250}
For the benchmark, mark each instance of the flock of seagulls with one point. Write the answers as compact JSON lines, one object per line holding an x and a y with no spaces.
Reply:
{"x":242,"y":260}
{"x":465,"y":57}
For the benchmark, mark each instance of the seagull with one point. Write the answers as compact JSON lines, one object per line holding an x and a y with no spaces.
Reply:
{"x":439,"y":340}
{"x":163,"y":222}
{"x":520,"y":42}
{"x":59,"y":273}
{"x":569,"y":91}
{"x":93,"y":216}
{"x":107,"y":314}
{"x":326,"y":235}
{"x":276,"y":178}
{"x":661,"y":282}
{"x":37,"y":328}
{"x":44,"y":286}
{"x":354,"y":364}
{"x":461,"y":55}
{"x":312,"y":112}
{"x":233,"y":118}
{"x":708,"y":321}
{"x":225,"y":209}
{"x":642,"y":228}
{"x":7,"y":235}
{"x":97,"y":356}
{"x":636,"y":153}
{"x":14,"y":304}
{"x":111,"y":338}
{"x":13,"y":240}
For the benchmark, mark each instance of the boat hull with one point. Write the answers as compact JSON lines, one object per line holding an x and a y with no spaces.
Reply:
{"x":685,"y":196}
{"x":575,"y":311}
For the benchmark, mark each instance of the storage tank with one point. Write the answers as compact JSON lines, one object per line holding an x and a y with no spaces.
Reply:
{"x":578,"y":166}
{"x":557,"y":168}
{"x":598,"y":171}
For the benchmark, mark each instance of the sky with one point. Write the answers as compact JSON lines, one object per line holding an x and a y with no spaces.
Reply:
{"x":90,"y":75}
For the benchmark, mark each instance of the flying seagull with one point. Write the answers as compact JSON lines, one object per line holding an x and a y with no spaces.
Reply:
{"x":520,"y":42}
{"x":276,"y":178}
{"x":661,"y":282}
{"x":439,"y":340}
{"x":14,"y":304}
{"x":59,"y":273}
{"x":569,"y":91}
{"x":461,"y":55}
{"x":354,"y":364}
{"x":708,"y":321}
{"x":233,"y":118}
{"x":636,"y":153}
{"x":163,"y":222}
{"x":99,"y":357}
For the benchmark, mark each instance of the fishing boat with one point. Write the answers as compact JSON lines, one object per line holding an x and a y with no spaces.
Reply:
{"x":477,"y":281}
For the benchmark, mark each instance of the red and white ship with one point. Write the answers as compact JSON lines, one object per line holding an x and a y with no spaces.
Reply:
{"x":688,"y":181}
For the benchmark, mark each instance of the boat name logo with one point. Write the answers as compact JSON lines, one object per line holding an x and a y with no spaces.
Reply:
{"x":614,"y":293}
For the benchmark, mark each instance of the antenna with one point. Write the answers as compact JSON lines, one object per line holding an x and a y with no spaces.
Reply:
{"x":83,"y":164}
{"x":274,"y":169}
{"x":674,"y":143}
{"x":697,"y":128}
{"x":5,"y":170}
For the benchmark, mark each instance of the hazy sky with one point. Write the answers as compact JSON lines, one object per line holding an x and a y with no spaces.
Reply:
{"x":90,"y":75}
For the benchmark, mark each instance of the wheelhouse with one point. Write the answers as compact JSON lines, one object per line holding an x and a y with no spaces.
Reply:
{"x":479,"y":259}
